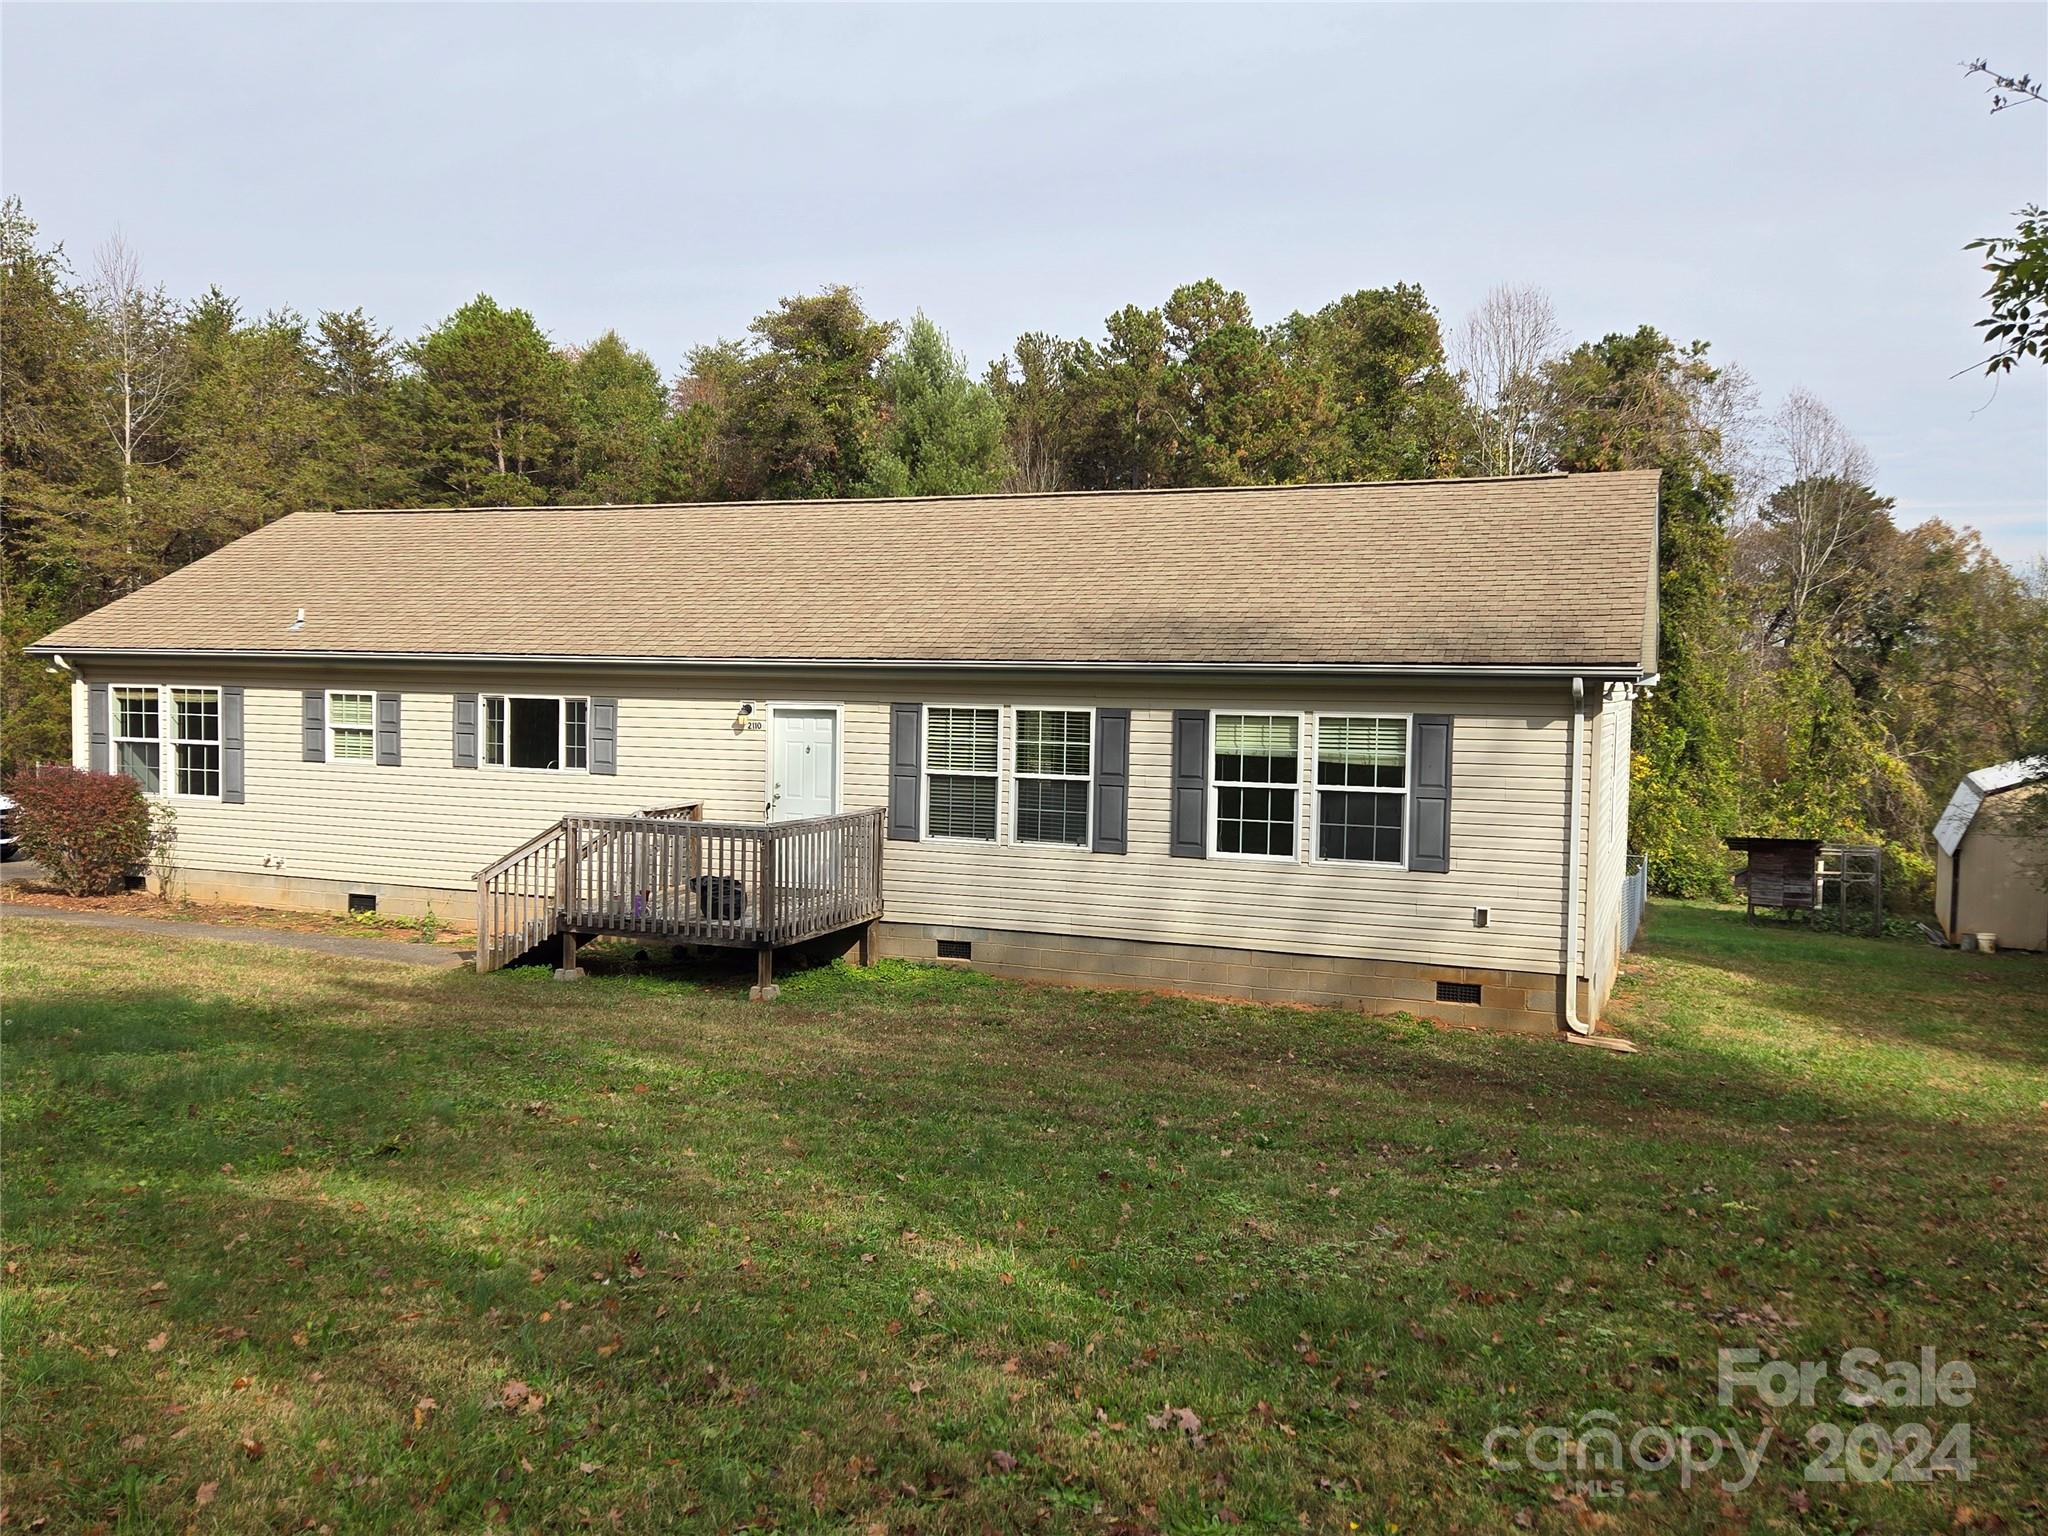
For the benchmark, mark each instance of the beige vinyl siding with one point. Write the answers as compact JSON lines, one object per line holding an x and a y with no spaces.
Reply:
{"x":427,"y":823}
{"x":2001,"y":890}
{"x":1507,"y":839}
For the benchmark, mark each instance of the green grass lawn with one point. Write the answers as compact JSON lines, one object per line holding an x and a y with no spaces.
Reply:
{"x":296,"y":1243}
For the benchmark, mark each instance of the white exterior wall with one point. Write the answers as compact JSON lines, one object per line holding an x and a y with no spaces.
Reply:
{"x":432,"y":825}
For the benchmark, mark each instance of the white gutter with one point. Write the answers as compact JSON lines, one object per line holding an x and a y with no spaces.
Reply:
{"x":1568,"y":981}
{"x":858,"y":664}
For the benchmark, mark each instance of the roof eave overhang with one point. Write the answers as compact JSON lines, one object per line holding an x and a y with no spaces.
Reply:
{"x":1615,"y":671}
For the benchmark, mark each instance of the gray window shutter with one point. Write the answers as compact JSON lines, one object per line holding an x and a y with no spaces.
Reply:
{"x":604,"y":736}
{"x":1190,"y":829}
{"x":1112,"y":780}
{"x":232,"y":757}
{"x":389,"y":711}
{"x":465,"y":730}
{"x":906,"y":767}
{"x":97,"y":728}
{"x":313,"y":724}
{"x":1429,"y":775}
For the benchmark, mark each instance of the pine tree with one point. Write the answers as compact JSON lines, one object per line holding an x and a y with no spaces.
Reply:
{"x":1380,"y":402}
{"x":363,"y":448}
{"x":487,"y":403}
{"x":942,"y":432}
{"x":617,"y":411}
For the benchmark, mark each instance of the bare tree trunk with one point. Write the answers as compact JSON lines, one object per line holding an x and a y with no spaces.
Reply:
{"x":1813,"y":519}
{"x":140,"y":361}
{"x":1500,"y":351}
{"x":1032,"y":464}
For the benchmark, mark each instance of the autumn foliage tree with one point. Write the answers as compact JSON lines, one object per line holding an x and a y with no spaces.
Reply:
{"x":1638,"y":400}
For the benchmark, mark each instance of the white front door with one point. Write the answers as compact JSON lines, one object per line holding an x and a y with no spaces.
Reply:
{"x":803,"y":763}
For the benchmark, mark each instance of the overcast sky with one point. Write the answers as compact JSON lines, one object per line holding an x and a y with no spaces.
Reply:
{"x":1792,"y":184}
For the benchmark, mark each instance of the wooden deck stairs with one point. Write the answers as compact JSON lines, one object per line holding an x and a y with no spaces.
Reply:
{"x":669,"y":875}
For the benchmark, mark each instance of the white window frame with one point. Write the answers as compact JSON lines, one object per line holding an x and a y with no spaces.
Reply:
{"x":168,"y":740}
{"x":168,"y":715}
{"x":561,"y":701}
{"x":328,"y":717}
{"x":1301,"y":759}
{"x":1011,"y":772}
{"x":924,"y":776}
{"x":1407,"y":790}
{"x":115,"y":740}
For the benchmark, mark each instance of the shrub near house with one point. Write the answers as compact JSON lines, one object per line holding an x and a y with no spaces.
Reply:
{"x":88,"y":829}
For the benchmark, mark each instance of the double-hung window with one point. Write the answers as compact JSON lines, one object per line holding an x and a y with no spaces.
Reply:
{"x":139,"y":736}
{"x":1361,"y":788}
{"x":1052,"y":759}
{"x":529,"y":731}
{"x":961,"y":758}
{"x":351,"y":727}
{"x":1257,"y":777}
{"x":167,"y":739}
{"x":195,"y":740}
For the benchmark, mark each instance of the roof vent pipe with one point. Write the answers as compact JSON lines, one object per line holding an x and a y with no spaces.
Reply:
{"x":1568,"y":978}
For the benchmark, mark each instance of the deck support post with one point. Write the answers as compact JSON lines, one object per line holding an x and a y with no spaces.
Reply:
{"x":569,"y":970}
{"x":764,"y":989}
{"x":865,"y":955}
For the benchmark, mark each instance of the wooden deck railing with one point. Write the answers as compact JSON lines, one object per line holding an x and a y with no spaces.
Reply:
{"x":688,"y":881}
{"x":519,"y":900}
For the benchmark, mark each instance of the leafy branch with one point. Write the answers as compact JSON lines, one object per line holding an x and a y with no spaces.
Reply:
{"x":2006,"y":90}
{"x":2018,"y":262}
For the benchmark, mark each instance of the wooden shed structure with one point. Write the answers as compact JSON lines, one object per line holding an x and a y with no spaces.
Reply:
{"x":1987,"y":877}
{"x":1783,"y":872}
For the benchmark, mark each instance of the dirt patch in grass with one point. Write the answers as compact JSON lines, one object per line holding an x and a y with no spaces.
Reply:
{"x":368,"y":925}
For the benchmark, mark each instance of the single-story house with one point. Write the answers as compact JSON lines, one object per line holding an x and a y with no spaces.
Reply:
{"x":1364,"y":745}
{"x":1988,"y":876}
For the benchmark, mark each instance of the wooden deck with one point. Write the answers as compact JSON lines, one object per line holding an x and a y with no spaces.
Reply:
{"x":666,"y":875}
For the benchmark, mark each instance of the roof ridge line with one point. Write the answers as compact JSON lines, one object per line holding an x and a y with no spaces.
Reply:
{"x":1069,"y":495}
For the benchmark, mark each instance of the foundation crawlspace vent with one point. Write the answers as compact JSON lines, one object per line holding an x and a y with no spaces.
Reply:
{"x":1457,"y":991}
{"x":955,"y":949}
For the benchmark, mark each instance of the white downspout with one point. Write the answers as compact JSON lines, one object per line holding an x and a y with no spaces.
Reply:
{"x":1569,"y":979}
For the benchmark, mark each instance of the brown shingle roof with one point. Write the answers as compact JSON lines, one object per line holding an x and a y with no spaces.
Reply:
{"x":1546,"y":571}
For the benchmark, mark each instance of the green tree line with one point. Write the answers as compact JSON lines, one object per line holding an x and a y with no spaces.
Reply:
{"x":1823,"y":670}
